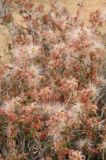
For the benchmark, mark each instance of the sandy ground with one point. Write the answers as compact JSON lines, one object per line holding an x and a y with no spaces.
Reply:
{"x":71,"y":5}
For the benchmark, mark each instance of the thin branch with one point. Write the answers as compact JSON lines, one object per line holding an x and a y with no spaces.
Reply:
{"x":2,"y":7}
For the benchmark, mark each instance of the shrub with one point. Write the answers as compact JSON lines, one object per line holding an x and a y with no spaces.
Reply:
{"x":50,"y":92}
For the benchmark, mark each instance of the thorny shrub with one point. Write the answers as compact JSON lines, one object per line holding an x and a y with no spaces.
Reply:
{"x":52,"y":105}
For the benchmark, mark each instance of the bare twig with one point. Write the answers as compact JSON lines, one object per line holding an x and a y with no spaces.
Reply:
{"x":2,"y":7}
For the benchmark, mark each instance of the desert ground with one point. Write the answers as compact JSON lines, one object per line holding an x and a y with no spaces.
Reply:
{"x":71,"y":5}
